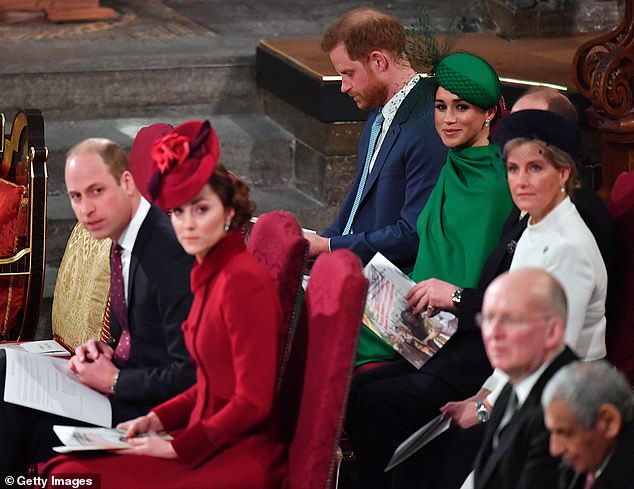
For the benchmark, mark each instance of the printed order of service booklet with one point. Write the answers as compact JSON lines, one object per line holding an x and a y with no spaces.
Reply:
{"x":416,"y":337}
{"x":79,"y":439}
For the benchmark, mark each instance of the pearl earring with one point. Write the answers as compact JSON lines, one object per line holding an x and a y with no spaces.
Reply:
{"x":486,"y":123}
{"x":563,"y":189}
{"x":227,"y":225}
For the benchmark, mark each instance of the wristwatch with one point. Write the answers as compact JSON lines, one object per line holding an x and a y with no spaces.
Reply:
{"x":456,"y":296}
{"x":482,"y":413}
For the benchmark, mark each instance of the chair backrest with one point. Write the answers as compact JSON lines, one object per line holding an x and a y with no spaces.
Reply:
{"x":81,"y":290}
{"x":620,"y":331}
{"x":276,"y":241}
{"x":23,"y":191}
{"x":315,"y":390}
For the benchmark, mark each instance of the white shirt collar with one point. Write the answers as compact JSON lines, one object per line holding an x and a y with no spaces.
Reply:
{"x":128,"y":237}
{"x":391,"y":107}
{"x":127,"y":240}
{"x":389,"y":112}
{"x":524,"y":387}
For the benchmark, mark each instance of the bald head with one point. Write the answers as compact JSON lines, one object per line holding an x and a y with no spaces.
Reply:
{"x":546,"y":98}
{"x":523,"y":319}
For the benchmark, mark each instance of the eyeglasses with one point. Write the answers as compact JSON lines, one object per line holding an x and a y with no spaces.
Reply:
{"x":485,"y":321}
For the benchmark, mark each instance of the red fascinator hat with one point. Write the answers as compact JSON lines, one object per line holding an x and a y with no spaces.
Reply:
{"x":184,"y":161}
{"x":141,"y":163}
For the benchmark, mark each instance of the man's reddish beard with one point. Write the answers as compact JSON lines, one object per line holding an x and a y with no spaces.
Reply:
{"x":374,"y":94}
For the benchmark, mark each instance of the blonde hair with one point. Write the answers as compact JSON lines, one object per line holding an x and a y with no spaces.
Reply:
{"x":558,"y":158}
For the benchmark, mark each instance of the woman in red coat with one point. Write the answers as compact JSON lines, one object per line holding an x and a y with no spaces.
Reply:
{"x":225,"y":426}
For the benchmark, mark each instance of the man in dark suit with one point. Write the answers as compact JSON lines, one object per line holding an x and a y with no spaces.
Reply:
{"x":400,"y":153}
{"x":523,"y":321}
{"x":589,"y":411}
{"x":147,"y":361}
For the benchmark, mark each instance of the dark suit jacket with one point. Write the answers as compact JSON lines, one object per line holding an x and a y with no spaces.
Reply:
{"x":618,"y":473}
{"x":159,"y":298}
{"x":522,"y":459}
{"x":404,"y":174}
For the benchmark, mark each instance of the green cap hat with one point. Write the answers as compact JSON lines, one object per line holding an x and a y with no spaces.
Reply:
{"x":469,"y":77}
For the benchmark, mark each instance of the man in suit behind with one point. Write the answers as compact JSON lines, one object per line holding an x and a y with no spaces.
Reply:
{"x":400,"y":154}
{"x":589,"y":411}
{"x":147,"y":362}
{"x":523,"y":321}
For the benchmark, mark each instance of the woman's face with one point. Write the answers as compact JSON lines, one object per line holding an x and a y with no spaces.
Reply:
{"x":534,"y":182}
{"x":460,"y":124}
{"x":200,"y":223}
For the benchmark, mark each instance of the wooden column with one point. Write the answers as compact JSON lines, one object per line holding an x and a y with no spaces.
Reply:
{"x":604,"y":74}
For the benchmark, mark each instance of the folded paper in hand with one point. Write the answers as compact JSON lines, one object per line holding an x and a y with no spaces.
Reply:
{"x":419,"y":439}
{"x":415,"y":336}
{"x":46,"y":383}
{"x":77,"y":438}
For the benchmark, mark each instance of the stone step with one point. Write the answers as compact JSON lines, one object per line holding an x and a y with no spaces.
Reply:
{"x":95,"y":78}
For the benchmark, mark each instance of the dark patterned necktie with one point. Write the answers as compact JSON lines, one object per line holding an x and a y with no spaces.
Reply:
{"x":117,"y":302}
{"x":510,"y":411}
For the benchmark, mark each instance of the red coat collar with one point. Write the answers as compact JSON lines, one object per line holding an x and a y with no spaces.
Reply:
{"x":231,"y":245}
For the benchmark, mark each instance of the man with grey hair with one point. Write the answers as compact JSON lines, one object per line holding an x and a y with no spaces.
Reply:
{"x":589,"y":411}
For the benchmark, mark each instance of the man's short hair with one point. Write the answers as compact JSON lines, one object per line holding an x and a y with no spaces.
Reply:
{"x":364,"y":30}
{"x":556,"y":102}
{"x":111,"y":153}
{"x":586,"y":386}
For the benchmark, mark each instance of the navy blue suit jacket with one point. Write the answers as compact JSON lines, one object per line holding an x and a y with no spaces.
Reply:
{"x":159,"y":299}
{"x":404,"y":174}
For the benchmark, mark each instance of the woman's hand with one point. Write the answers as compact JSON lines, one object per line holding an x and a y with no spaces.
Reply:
{"x":432,"y":294}
{"x":142,"y":424}
{"x":152,"y":446}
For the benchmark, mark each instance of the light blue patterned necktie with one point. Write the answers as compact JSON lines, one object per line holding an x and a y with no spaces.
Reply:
{"x":374,"y":134}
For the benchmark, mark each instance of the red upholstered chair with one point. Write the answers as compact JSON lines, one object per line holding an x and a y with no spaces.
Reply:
{"x":23,"y":184}
{"x":315,"y":388}
{"x":620,"y":333}
{"x":276,"y":241}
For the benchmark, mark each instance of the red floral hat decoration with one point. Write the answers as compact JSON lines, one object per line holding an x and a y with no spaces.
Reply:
{"x":141,"y":163}
{"x":184,"y":160}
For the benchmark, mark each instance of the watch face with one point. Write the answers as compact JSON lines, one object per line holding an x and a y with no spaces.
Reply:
{"x":482,"y":413}
{"x":456,"y":297}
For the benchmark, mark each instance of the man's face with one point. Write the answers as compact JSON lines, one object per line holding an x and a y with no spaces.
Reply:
{"x":581,"y":448}
{"x":515,"y":330}
{"x":358,"y":80}
{"x":100,"y":203}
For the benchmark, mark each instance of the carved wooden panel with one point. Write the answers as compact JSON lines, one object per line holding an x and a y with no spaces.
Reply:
{"x":604,"y":68}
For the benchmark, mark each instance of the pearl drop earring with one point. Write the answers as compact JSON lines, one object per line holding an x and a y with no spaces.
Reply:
{"x":227,"y":225}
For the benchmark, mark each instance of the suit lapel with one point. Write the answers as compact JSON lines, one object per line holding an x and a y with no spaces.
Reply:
{"x":401,"y":116}
{"x":487,"y":458}
{"x":137,"y":250}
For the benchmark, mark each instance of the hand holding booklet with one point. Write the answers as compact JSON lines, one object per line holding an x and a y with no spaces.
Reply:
{"x":415,"y":336}
{"x":76,"y":438}
{"x":47,"y":384}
